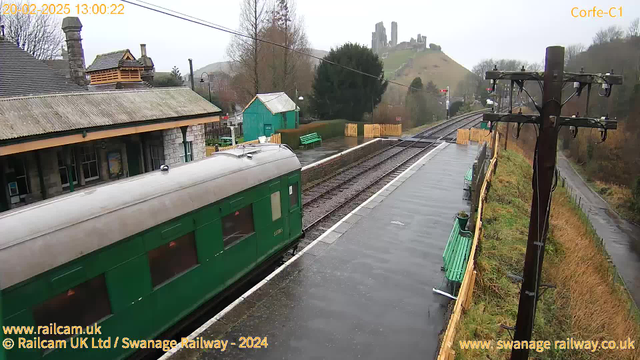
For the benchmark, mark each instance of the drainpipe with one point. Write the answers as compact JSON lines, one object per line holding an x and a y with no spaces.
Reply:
{"x":184,"y":142}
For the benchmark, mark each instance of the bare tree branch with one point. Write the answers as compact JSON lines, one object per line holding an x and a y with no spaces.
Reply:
{"x":39,"y":35}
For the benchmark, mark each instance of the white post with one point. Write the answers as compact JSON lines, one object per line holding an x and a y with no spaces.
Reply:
{"x":233,"y":135}
{"x":447,"y":102}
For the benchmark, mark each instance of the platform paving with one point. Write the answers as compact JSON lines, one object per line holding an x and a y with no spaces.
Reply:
{"x":328,"y":148}
{"x":363,"y":289}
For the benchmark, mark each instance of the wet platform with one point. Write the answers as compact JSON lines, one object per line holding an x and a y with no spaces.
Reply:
{"x":329,"y":147}
{"x":364,"y":288}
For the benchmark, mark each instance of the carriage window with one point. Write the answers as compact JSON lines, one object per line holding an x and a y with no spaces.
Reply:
{"x":237,"y":225}
{"x":276,"y":213}
{"x":172,"y":258}
{"x":293,"y":195}
{"x":82,"y":306}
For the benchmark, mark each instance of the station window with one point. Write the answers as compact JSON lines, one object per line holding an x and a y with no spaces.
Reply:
{"x":172,"y":258}
{"x":276,"y":212}
{"x":82,"y":306}
{"x":237,"y":226}
{"x":89,"y":161}
{"x":64,"y":172}
{"x":293,"y":195}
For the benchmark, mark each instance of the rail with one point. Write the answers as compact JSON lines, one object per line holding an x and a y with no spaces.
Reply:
{"x":378,"y":179}
{"x":466,"y":289}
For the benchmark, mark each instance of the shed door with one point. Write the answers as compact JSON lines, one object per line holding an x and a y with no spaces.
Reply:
{"x":268,"y":129}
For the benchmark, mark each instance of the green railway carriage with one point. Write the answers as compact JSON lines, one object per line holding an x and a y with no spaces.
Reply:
{"x":138,"y":255}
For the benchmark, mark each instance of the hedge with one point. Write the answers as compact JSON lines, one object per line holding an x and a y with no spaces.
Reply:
{"x":326,"y":129}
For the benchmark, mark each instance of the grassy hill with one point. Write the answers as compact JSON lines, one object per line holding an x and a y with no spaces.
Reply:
{"x":427,"y":64}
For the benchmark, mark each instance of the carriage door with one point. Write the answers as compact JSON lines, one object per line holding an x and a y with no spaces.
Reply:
{"x":295,"y":206}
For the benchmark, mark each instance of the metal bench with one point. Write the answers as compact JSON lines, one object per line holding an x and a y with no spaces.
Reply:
{"x":456,"y":255}
{"x":310,"y":139}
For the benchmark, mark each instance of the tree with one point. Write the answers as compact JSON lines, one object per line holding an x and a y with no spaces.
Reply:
{"x":571,"y":53}
{"x":435,"y":47}
{"x":244,"y":52}
{"x":288,"y":68}
{"x":38,"y":34}
{"x":634,"y":28}
{"x":416,"y":85}
{"x":612,"y":33}
{"x":343,"y":93}
{"x":167,"y":80}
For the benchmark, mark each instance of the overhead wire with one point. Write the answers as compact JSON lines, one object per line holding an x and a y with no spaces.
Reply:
{"x":198,"y":21}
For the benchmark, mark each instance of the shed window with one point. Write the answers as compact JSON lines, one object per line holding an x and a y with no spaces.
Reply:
{"x":89,"y":160}
{"x":172,"y":258}
{"x":276,"y":213}
{"x":82,"y":306}
{"x":293,"y":195}
{"x":237,"y":226}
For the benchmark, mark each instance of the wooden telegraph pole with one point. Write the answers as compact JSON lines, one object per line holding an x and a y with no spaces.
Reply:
{"x":549,"y":122}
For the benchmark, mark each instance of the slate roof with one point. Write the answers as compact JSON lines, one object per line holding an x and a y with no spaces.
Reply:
{"x":37,"y":115}
{"x":276,"y":102}
{"x":112,"y":60}
{"x":21,"y":74}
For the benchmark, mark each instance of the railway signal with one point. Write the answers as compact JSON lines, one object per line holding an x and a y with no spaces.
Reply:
{"x":549,"y":122}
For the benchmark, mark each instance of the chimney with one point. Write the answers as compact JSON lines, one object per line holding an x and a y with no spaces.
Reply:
{"x":72,"y":27}
{"x":149,"y":70}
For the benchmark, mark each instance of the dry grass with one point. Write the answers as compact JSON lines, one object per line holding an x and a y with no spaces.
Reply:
{"x":587,"y":304}
{"x":600,"y":308}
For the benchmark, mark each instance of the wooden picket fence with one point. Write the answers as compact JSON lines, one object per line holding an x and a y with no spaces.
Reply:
{"x":351,"y":130}
{"x":371,"y":130}
{"x":463,"y":137}
{"x":276,"y":138}
{"x":479,"y":135}
{"x":463,"y":301}
{"x":390,"y":129}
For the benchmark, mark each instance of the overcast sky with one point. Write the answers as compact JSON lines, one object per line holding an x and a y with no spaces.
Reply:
{"x":468,"y":31}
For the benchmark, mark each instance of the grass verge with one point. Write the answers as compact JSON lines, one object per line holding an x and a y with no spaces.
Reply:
{"x":588,"y":304}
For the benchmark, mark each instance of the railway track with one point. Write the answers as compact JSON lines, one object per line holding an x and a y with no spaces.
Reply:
{"x":336,"y":196}
{"x":377,"y":172}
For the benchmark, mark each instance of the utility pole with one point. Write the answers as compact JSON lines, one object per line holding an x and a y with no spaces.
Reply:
{"x":549,"y":122}
{"x":544,"y":166}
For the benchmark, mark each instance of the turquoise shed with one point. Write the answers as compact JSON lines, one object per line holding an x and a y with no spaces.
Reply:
{"x":268,"y":113}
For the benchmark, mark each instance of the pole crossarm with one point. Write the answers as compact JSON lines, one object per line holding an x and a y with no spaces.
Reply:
{"x":514,"y":75}
{"x":582,"y":122}
{"x":585,"y":78}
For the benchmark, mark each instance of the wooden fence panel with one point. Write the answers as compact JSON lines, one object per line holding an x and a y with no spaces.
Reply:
{"x":276,"y":138}
{"x":351,"y":130}
{"x":462,"y":137}
{"x":371,"y":130}
{"x":390,"y":129}
{"x":479,"y":135}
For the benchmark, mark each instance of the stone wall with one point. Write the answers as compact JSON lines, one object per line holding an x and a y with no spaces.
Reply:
{"x":174,"y":149}
{"x":323,"y":168}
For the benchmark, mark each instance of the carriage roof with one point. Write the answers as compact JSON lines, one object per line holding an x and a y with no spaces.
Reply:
{"x":42,"y":236}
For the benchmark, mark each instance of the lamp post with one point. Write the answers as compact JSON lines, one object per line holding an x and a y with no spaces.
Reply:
{"x":208,"y":82}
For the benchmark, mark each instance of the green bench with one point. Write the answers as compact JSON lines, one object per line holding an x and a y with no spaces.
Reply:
{"x":310,"y":139}
{"x":456,"y":254}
